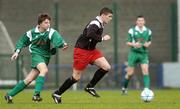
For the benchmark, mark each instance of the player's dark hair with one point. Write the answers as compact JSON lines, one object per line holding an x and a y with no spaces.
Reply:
{"x":140,"y":16}
{"x":42,"y":17}
{"x":106,"y":11}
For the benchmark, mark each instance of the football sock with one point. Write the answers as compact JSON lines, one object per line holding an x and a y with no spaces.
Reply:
{"x":126,"y":82}
{"x":39,"y":84}
{"x":97,"y":76}
{"x":18,"y":88}
{"x":66,"y":85}
{"x":146,"y":81}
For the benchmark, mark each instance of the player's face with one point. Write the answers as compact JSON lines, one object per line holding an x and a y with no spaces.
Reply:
{"x":45,"y":24}
{"x":140,"y":22}
{"x":107,"y":18}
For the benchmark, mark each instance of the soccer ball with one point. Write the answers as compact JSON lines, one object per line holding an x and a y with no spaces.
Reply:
{"x":147,"y":95}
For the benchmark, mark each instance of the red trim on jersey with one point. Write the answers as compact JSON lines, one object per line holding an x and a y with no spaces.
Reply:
{"x":84,"y":57}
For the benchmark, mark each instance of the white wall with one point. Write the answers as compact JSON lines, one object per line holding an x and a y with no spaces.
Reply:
{"x":171,"y":75}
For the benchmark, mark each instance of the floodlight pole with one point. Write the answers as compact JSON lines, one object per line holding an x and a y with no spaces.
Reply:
{"x":178,"y":6}
{"x":56,"y":26}
{"x":174,"y":38}
{"x":115,"y":31}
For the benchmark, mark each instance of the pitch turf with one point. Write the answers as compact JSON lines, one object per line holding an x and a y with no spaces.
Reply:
{"x":110,"y":99}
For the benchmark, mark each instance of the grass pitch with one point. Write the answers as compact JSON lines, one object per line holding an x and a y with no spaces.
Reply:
{"x":110,"y":99}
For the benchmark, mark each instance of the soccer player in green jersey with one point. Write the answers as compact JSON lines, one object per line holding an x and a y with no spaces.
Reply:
{"x":39,"y":40}
{"x":139,"y":39}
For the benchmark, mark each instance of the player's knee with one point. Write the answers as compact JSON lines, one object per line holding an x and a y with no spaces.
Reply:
{"x":43,"y":72}
{"x":130,"y":73}
{"x":107,"y":67}
{"x":145,"y":71}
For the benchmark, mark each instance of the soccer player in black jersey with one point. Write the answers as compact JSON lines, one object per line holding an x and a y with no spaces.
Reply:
{"x":85,"y":53}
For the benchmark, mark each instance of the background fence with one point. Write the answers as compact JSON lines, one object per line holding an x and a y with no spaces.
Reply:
{"x":70,"y":17}
{"x":11,"y":72}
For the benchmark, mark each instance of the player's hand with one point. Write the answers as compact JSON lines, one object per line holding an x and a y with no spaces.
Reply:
{"x":137,"y":45}
{"x":53,"y":51}
{"x":147,"y":44}
{"x":14,"y":56}
{"x":106,"y":37}
{"x":65,"y":46}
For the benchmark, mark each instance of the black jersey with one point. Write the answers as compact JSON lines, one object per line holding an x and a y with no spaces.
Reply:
{"x":91,"y":35}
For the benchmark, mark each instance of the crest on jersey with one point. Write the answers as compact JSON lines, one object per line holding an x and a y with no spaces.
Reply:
{"x":140,"y":40}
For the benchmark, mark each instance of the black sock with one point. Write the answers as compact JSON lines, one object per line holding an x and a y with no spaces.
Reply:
{"x":66,"y":85}
{"x":97,"y":76}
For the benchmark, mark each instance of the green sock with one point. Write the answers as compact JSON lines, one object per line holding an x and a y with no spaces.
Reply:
{"x":126,"y":81}
{"x":18,"y":88}
{"x":39,"y":84}
{"x":146,"y":81}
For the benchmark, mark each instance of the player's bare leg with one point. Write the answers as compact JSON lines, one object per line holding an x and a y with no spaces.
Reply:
{"x":146,"y":78}
{"x":104,"y":67}
{"x":42,"y":67}
{"x":66,"y":85}
{"x":130,"y":71}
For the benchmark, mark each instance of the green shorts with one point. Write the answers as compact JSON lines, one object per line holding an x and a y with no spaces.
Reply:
{"x":36,"y":59}
{"x":136,"y":57}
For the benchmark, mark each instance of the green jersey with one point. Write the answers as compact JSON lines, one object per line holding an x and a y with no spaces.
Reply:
{"x":40,"y":42}
{"x":137,"y":35}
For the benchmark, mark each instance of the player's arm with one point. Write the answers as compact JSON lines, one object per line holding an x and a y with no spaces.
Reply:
{"x":106,"y":37}
{"x":24,"y":41}
{"x":148,"y":43}
{"x":58,"y":42}
{"x":91,"y":32}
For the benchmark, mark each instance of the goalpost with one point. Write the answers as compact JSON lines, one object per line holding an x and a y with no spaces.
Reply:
{"x":5,"y":34}
{"x":7,"y":74}
{"x":7,"y":47}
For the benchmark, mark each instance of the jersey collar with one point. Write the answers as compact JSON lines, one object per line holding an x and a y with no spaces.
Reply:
{"x":100,"y":20}
{"x":138,"y":29}
{"x":37,"y":30}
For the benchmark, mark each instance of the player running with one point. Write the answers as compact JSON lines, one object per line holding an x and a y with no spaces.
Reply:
{"x":85,"y":53}
{"x":39,"y":40}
